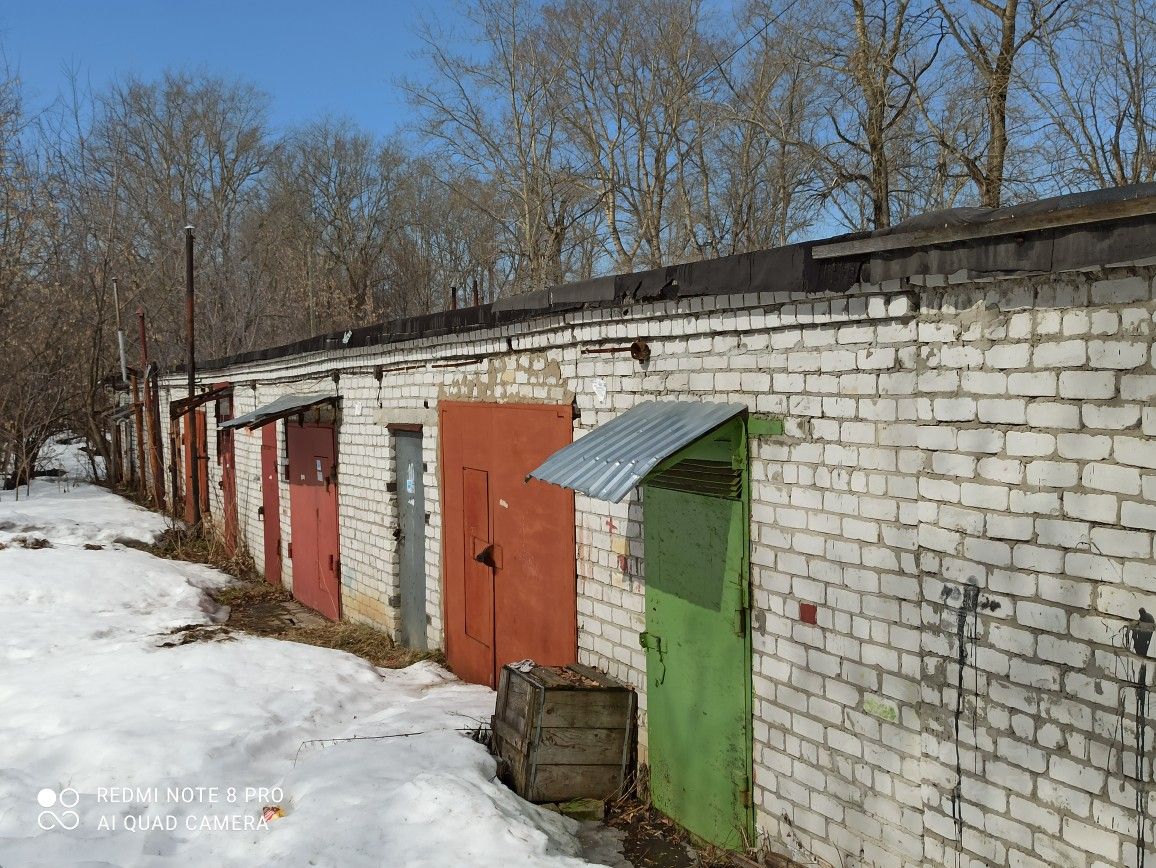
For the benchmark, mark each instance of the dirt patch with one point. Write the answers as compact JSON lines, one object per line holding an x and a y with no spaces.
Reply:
{"x":260,"y":609}
{"x":31,"y":542}
{"x":196,"y":633}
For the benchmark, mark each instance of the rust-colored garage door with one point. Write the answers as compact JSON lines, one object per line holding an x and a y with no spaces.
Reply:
{"x":313,"y":544}
{"x":510,"y":584}
{"x":198,"y":451}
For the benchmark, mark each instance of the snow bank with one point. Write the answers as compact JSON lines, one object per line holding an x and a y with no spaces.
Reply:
{"x":72,"y":513}
{"x":117,"y":751}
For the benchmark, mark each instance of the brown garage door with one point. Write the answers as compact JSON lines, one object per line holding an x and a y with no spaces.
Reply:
{"x":510,"y":583}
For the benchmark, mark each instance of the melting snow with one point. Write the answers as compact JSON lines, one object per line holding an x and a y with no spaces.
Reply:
{"x":115,"y":751}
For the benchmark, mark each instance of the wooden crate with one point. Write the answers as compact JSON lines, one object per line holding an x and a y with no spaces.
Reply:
{"x":563,"y":733}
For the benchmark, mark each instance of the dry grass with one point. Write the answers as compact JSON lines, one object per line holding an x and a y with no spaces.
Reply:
{"x":182,"y":544}
{"x":362,"y":640}
{"x":655,"y":841}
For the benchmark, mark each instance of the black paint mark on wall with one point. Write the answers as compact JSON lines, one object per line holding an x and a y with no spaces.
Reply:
{"x":966,"y":603}
{"x":1140,"y":638}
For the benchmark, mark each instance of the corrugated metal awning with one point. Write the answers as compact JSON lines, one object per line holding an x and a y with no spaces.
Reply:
{"x":284,"y":406}
{"x":612,"y":459}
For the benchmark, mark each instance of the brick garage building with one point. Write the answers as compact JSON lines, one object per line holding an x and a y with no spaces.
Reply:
{"x":962,"y":500}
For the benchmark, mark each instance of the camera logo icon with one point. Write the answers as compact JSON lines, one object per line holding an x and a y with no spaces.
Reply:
{"x":65,"y":818}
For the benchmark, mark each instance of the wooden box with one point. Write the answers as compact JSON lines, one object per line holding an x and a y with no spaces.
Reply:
{"x":562,"y":732}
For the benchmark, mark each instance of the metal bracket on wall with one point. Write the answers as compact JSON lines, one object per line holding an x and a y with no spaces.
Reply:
{"x":764,"y":426}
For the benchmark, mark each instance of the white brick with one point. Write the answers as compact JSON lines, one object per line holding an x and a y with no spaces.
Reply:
{"x":1039,"y":616}
{"x":1092,"y":507}
{"x":1122,"y":543}
{"x":1140,"y":515}
{"x":954,"y":409}
{"x":1009,"y":356}
{"x":1121,"y":355}
{"x":1030,"y":443}
{"x":980,"y":440}
{"x":1087,"y":385}
{"x":1049,"y":414}
{"x":1038,"y":384}
{"x":1015,"y":527}
{"x":1112,"y":477}
{"x":1084,"y":447}
{"x":1137,"y":387}
{"x":1002,"y":411}
{"x":1098,"y":416}
{"x":953,"y":464}
{"x":1053,"y":474}
{"x":1065,"y":354}
{"x":984,"y":496}
{"x":1001,"y":469}
{"x":1134,"y":451}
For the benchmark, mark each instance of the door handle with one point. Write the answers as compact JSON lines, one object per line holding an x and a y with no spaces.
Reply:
{"x":486,"y":556}
{"x":261,"y":513}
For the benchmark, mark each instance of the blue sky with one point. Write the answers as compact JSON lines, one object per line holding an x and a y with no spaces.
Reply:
{"x":338,"y":57}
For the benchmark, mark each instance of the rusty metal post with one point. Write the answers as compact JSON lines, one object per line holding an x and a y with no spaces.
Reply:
{"x":158,"y":456}
{"x":138,"y":434}
{"x":155,"y":464}
{"x":477,"y":297}
{"x":191,"y":418}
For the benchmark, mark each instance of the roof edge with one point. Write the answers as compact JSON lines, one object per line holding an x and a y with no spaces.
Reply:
{"x":969,"y":224}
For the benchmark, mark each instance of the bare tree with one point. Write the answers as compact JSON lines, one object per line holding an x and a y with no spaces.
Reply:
{"x":876,"y":56}
{"x":493,"y":118}
{"x":635,"y":77}
{"x":1098,"y":91}
{"x":992,"y":40}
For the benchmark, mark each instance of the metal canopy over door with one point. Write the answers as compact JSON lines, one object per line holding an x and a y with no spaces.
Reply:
{"x":410,"y":536}
{"x":697,"y":639}
{"x":313,"y":546}
{"x":270,"y":512}
{"x":510,"y":579}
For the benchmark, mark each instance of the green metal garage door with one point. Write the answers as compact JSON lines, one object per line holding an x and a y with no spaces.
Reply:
{"x":697,"y":639}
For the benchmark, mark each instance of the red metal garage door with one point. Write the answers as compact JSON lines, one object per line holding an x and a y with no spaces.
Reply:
{"x":227,"y":461}
{"x":313,"y":544}
{"x":201,"y":451}
{"x":510,"y":583}
{"x":271,"y":504}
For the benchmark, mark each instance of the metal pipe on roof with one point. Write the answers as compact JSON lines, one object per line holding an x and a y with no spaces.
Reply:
{"x":119,"y":332}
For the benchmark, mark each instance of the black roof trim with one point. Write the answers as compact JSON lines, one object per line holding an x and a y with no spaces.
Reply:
{"x":1072,"y":231}
{"x":781,"y":268}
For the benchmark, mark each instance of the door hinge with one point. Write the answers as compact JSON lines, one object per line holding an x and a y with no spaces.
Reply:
{"x":654,"y":643}
{"x":290,"y":551}
{"x":743,"y":783}
{"x":741,"y":621}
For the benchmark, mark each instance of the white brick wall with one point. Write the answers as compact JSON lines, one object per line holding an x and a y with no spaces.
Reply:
{"x":995,"y":434}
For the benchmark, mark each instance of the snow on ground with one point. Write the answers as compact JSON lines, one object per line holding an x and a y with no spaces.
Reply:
{"x":116,"y":751}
